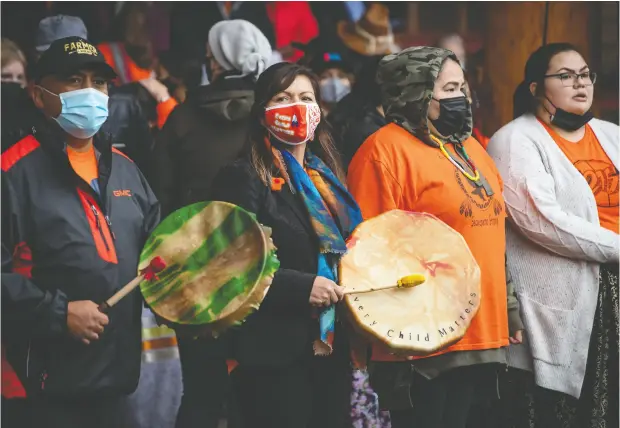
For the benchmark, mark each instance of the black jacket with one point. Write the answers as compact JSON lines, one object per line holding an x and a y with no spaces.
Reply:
{"x":128,"y":124}
{"x":80,"y":246}
{"x":352,"y":125}
{"x":17,"y":114}
{"x":202,"y":135}
{"x":282,"y":330}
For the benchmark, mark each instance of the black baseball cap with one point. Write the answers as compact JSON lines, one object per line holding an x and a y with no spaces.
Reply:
{"x":70,"y":54}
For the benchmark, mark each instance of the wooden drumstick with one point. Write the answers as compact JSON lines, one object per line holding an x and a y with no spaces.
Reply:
{"x":408,"y":281}
{"x":148,"y":273}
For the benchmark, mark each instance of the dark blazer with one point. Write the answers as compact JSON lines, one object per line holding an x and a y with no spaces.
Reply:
{"x":282,"y":330}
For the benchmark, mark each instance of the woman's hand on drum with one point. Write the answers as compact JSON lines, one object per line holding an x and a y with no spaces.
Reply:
{"x":325,"y":292}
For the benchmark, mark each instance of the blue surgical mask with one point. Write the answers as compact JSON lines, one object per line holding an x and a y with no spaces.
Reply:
{"x":83,"y":111}
{"x":334,"y":89}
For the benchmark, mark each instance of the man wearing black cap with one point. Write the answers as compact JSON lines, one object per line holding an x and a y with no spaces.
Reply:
{"x":75,"y":215}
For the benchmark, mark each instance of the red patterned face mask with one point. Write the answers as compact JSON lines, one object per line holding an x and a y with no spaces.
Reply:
{"x":293,"y":123}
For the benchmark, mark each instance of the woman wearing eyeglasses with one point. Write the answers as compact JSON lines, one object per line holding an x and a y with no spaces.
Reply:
{"x":560,"y":172}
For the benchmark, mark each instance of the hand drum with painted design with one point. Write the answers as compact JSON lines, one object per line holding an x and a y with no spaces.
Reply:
{"x":410,"y":321}
{"x":219,"y":265}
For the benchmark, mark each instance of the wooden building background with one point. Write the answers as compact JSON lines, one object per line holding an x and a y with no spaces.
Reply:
{"x":508,"y":32}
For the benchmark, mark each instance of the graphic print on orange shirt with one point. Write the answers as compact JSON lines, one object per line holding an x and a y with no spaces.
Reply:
{"x":594,"y":165}
{"x":602,"y":177}
{"x":85,"y":165}
{"x":476,"y":196}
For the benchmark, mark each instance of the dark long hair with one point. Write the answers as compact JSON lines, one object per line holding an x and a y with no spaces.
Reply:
{"x":535,"y":70}
{"x":274,"y":80}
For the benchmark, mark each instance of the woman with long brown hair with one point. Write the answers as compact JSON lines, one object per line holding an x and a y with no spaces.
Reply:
{"x":293,"y":356}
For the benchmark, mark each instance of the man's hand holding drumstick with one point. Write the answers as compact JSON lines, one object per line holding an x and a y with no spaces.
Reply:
{"x":85,"y":321}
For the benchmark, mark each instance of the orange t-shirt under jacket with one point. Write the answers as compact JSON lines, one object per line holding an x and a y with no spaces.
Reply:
{"x":395,"y":170}
{"x":592,"y":162}
{"x":85,"y":165}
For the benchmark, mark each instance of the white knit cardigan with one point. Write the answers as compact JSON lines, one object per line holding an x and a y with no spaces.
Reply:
{"x":554,"y":245}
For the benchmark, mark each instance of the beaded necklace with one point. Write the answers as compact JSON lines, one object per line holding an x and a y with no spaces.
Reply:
{"x":475,"y":178}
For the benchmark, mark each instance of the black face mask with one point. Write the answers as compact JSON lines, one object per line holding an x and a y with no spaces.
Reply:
{"x":452,"y":115}
{"x":569,"y":121}
{"x":12,"y":88}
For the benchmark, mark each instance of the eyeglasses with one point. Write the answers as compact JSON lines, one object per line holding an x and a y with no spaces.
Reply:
{"x":571,"y":79}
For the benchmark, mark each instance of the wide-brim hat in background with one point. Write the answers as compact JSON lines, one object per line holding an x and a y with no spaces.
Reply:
{"x":371,"y":35}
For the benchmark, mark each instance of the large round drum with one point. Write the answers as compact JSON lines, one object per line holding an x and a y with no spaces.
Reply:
{"x":219,"y":265}
{"x":419,"y":320}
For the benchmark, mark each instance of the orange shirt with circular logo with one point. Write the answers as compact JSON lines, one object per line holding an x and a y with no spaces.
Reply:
{"x":588,"y":156}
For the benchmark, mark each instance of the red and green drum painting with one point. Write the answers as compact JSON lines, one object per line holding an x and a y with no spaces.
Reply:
{"x":219,"y":265}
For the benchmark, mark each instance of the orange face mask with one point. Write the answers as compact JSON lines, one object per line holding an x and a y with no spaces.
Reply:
{"x":293,"y":123}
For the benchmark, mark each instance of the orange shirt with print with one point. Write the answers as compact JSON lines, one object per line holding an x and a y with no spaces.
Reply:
{"x":84,"y":164}
{"x":395,"y":170}
{"x":588,"y":156}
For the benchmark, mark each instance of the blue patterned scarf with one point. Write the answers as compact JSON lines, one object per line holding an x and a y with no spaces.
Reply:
{"x":334,"y":215}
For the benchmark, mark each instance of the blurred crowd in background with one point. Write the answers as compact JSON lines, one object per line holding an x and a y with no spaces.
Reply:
{"x":162,"y":108}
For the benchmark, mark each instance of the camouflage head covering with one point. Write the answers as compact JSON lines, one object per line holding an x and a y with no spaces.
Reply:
{"x":407,"y":80}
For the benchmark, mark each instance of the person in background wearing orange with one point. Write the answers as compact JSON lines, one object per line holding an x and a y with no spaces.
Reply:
{"x":424,"y":160}
{"x":133,"y":61}
{"x":560,"y":169}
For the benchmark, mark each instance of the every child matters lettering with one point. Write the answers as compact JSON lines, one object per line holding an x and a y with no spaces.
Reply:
{"x":283,"y":123}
